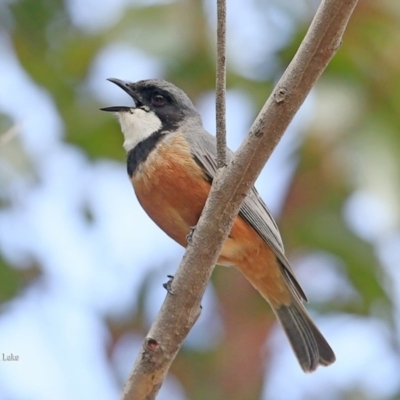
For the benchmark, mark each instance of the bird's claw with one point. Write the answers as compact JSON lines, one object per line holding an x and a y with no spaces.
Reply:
{"x":189,"y":236}
{"x":167,"y":285}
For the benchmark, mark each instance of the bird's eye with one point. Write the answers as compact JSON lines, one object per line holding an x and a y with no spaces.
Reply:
{"x":158,"y":100}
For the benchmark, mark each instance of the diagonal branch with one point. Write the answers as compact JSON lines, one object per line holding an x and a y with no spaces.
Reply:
{"x":180,"y":311}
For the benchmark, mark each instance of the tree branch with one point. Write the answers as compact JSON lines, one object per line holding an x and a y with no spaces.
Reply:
{"x":180,"y":311}
{"x":221,"y":83}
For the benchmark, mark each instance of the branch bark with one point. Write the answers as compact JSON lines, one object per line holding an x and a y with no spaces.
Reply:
{"x":180,"y":311}
{"x":221,"y":83}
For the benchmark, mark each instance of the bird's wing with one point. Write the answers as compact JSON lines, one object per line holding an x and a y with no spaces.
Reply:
{"x":253,"y":209}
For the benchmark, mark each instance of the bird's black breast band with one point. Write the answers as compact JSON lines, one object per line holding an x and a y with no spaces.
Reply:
{"x":141,"y":151}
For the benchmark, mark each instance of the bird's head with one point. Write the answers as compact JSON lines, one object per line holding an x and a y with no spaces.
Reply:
{"x":158,"y":106}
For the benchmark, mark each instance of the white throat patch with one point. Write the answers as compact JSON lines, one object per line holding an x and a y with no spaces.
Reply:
{"x":137,"y":125}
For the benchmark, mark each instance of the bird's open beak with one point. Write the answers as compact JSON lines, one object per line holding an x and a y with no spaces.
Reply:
{"x":127,"y":87}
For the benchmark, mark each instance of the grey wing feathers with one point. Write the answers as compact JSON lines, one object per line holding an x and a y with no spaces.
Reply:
{"x":256,"y":213}
{"x":253,"y":209}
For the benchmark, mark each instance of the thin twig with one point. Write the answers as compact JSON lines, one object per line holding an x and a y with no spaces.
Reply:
{"x":221,"y":83}
{"x":179,"y":311}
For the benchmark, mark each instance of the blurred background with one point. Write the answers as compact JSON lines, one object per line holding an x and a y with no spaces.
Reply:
{"x":82,"y":266}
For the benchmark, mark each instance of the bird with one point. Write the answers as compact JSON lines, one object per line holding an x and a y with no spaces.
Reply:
{"x":171,"y":162}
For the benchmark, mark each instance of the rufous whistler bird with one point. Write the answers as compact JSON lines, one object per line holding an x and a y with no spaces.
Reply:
{"x":171,"y":162}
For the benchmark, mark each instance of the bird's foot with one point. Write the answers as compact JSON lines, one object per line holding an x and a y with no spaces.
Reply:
{"x":189,"y":236}
{"x":167,"y":285}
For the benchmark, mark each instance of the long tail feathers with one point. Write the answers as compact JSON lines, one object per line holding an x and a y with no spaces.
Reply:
{"x":308,"y":344}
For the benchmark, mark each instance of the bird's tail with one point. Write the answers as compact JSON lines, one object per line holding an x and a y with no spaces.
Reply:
{"x":308,"y":343}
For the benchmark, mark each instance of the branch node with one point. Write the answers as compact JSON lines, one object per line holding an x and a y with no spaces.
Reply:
{"x":194,"y":316}
{"x":280,"y":95}
{"x":152,"y":346}
{"x":259,"y":133}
